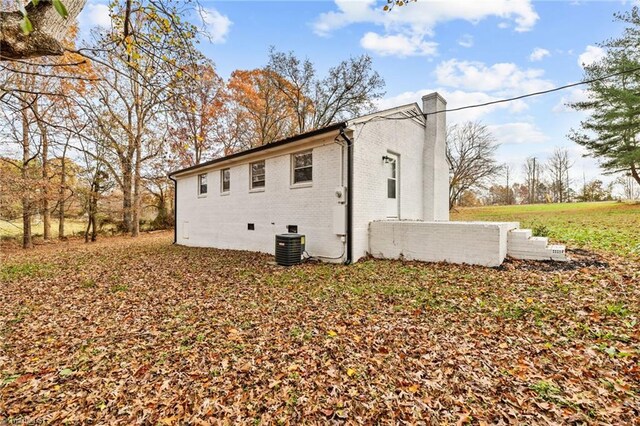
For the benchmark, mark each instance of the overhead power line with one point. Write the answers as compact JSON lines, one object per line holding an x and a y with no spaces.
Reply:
{"x":542,"y":92}
{"x":499,"y":101}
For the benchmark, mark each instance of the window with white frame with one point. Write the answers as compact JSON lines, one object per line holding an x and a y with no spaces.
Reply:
{"x":301,"y":167}
{"x":225,"y":180}
{"x":391,"y":181}
{"x":257,"y":175}
{"x":202,"y":184}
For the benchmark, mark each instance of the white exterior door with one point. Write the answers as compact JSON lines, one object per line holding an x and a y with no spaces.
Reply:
{"x":392,"y":184}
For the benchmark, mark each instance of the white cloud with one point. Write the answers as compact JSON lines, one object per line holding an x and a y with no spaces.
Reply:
{"x":216,"y":25}
{"x":418,"y":20}
{"x":422,"y":17}
{"x":466,"y":40}
{"x":398,"y":45}
{"x":538,"y":54}
{"x":349,"y":12}
{"x":456,"y":99}
{"x":501,"y":78}
{"x":517,"y":133}
{"x":590,"y":55}
{"x":95,"y":15}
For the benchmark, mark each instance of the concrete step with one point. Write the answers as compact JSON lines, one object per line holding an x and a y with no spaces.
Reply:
{"x":540,"y":252}
{"x":558,"y":252}
{"x":539,"y":241}
{"x":531,"y":257}
{"x":546,"y":255}
{"x":522,"y":245}
{"x":519,"y":234}
{"x":536,"y":242}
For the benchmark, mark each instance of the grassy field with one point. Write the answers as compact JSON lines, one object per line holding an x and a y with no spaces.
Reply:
{"x":605,"y":226}
{"x":13,"y":229}
{"x":128,"y":331}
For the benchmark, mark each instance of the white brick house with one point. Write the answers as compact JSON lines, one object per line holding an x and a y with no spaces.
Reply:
{"x":331,"y":185}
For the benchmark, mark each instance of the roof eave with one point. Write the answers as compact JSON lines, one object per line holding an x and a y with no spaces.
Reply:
{"x":390,"y":111}
{"x":272,"y":145}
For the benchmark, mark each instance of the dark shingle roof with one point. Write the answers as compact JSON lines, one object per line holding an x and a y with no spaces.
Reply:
{"x":330,"y":128}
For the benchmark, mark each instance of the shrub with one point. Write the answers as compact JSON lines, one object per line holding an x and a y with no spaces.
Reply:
{"x":540,"y":230}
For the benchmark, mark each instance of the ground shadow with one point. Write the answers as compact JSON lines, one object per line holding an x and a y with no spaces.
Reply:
{"x":578,"y":258}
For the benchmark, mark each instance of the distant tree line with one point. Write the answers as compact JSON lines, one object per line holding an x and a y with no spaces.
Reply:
{"x":477,"y":178}
{"x":610,"y":133}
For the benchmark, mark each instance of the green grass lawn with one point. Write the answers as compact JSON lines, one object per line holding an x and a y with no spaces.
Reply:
{"x":13,"y":229}
{"x":605,"y":226}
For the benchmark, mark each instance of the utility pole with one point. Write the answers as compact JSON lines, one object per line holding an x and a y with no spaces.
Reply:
{"x":533,"y":186}
{"x":567,"y":189}
{"x":508,"y":190}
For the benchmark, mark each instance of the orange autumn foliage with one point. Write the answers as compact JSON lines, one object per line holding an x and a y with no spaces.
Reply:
{"x":260,"y":111}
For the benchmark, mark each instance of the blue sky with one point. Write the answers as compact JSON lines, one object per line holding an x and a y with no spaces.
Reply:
{"x":470,"y":51}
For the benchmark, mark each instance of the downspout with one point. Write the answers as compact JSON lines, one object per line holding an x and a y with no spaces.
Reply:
{"x":175,"y":209}
{"x":349,"y":223}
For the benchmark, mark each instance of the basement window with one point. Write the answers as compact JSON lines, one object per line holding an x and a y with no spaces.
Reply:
{"x":257,"y":175}
{"x":302,"y":167}
{"x":202,"y":184}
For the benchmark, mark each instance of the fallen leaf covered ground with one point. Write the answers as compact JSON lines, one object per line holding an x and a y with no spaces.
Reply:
{"x":140,"y":331}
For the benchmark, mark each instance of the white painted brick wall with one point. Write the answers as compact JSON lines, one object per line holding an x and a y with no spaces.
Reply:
{"x":221,"y":220}
{"x":423,"y":170}
{"x":436,"y":167}
{"x":372,"y":141}
{"x":475,"y":243}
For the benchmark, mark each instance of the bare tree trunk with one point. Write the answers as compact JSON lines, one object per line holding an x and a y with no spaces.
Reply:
{"x":135,"y":230}
{"x":61,"y":192}
{"x":86,"y":232}
{"x":63,"y":180}
{"x":46,"y":211}
{"x":26,"y":203}
{"x":49,"y":28}
{"x":139,"y":96}
{"x":197,"y":148}
{"x":26,"y":223}
{"x":634,"y":173}
{"x":126,"y":200}
{"x":94,"y":231}
{"x":44,"y":144}
{"x":93,"y":208}
{"x":91,"y":227}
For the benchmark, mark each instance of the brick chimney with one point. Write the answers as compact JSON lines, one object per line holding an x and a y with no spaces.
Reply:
{"x":435,"y":176}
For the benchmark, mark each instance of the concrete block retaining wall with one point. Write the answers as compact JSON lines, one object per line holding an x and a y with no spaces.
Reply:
{"x":474,"y":243}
